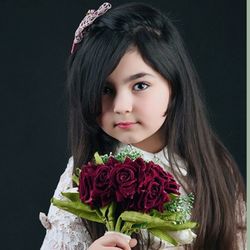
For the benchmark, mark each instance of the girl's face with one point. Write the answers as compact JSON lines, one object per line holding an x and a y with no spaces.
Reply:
{"x":134,"y":101}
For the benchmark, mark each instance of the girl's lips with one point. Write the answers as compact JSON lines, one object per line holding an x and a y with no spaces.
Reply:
{"x":125,"y":124}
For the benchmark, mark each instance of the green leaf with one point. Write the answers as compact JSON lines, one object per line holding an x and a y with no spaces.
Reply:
{"x":77,"y":208}
{"x":77,"y":172}
{"x":163,"y":235}
{"x":105,"y":157}
{"x":74,"y":197}
{"x":104,"y":210}
{"x":178,"y":217}
{"x":71,"y":196}
{"x":173,"y":196}
{"x":154,"y":222}
{"x":172,"y":216}
{"x":140,"y":226}
{"x":177,"y":227}
{"x":75,"y":179}
{"x":98,"y":159}
{"x":138,"y":217}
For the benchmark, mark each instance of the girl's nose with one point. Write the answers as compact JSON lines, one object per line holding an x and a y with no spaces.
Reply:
{"x":123,"y":103}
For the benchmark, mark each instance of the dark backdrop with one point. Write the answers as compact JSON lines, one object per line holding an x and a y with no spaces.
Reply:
{"x":36,"y":37}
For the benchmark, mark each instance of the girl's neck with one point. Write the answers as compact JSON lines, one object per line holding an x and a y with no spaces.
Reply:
{"x":149,"y":147}
{"x":153,"y":144}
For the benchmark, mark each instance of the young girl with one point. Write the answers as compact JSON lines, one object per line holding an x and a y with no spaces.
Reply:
{"x":131,"y":82}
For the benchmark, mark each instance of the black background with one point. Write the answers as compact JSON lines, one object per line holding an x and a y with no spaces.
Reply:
{"x":36,"y":38}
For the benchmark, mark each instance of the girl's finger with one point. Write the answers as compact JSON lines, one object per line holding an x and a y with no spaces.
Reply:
{"x":114,"y":240}
{"x":132,"y":242}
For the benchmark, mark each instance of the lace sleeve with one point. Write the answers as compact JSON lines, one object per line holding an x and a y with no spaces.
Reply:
{"x":241,"y":220}
{"x":64,"y":231}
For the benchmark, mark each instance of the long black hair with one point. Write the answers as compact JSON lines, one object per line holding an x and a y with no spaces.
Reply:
{"x":213,"y":175}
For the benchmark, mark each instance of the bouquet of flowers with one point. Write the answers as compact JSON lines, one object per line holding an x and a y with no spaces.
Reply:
{"x":127,"y":194}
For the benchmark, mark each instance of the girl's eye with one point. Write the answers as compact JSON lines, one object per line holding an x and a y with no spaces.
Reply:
{"x":107,"y":90}
{"x":140,"y":86}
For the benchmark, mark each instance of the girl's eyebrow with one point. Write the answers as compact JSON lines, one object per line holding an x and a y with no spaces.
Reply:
{"x":136,"y":76}
{"x":133,"y":77}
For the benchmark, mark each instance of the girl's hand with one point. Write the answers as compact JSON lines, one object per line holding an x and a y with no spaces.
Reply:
{"x":112,"y":242}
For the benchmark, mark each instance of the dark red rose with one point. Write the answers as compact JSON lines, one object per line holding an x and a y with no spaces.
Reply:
{"x":111,"y":161}
{"x":102,"y":191}
{"x":124,"y":178}
{"x":170,"y":185}
{"x":142,"y":171}
{"x":134,"y":185}
{"x":152,"y":195}
{"x":86,"y":181}
{"x":148,"y":172}
{"x":156,"y":170}
{"x":153,"y":188}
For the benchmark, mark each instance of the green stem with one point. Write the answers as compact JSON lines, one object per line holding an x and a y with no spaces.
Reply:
{"x":118,"y":224}
{"x":111,"y":215}
{"x":111,"y":225}
{"x":127,"y":228}
{"x":103,"y":218}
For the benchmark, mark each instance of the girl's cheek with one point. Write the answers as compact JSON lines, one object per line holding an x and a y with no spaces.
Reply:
{"x":107,"y":105}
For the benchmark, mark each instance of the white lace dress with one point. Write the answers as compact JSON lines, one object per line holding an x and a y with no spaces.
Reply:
{"x":65,"y":231}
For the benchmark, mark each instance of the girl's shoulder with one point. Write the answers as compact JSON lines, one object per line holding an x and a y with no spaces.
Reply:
{"x":65,"y":181}
{"x":64,"y":230}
